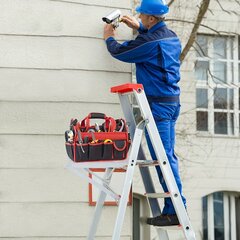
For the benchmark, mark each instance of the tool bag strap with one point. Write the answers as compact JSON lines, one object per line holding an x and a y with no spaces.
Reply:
{"x":110,"y":123}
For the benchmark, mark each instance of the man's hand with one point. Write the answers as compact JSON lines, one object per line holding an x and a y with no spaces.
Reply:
{"x":109,"y":31}
{"x":131,"y":22}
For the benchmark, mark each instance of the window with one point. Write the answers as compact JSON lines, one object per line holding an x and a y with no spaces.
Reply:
{"x":221,"y":216}
{"x":217,"y":71}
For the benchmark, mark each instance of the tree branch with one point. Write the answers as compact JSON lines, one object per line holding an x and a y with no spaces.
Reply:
{"x":191,"y":22}
{"x":237,"y":2}
{"x":203,"y":9}
{"x":170,"y":3}
{"x":222,"y":7}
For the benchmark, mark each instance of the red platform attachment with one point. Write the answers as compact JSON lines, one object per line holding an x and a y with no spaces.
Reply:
{"x":128,"y":87}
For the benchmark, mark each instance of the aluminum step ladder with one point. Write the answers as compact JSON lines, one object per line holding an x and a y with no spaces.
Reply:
{"x":135,"y":157}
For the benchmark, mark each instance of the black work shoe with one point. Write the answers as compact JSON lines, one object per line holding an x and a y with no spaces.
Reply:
{"x":164,"y":220}
{"x":150,"y":221}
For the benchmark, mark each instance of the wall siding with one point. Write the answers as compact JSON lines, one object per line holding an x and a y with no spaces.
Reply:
{"x":57,"y":219}
{"x":65,"y":53}
{"x":54,"y":66}
{"x":207,"y":164}
{"x":58,"y":18}
{"x":55,"y":85}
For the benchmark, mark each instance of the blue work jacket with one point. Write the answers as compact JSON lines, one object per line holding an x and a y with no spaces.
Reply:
{"x":156,"y":54}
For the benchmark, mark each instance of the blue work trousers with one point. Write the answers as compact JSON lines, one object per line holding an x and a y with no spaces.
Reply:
{"x":165,"y":116}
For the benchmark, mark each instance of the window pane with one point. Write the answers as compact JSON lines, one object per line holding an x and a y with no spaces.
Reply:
{"x":205,"y":217}
{"x":239,"y":72}
{"x":239,"y":98}
{"x":220,"y":98}
{"x":231,"y":40}
{"x":228,"y":223}
{"x":238,"y":48}
{"x":201,"y":42}
{"x":201,"y":70}
{"x":231,"y":124}
{"x":219,"y":47}
{"x":202,"y":121}
{"x":220,"y":123}
{"x":202,"y":98}
{"x":218,"y":216}
{"x":231,"y":80}
{"x":219,"y":72}
{"x":231,"y":104}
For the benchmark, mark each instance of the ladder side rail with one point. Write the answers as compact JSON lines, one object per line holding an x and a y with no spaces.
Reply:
{"x":128,"y":114}
{"x":99,"y":206}
{"x":127,"y":183}
{"x":145,"y":173}
{"x":165,"y":166}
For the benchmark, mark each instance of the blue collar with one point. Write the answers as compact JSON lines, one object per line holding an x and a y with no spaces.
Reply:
{"x":156,"y":26}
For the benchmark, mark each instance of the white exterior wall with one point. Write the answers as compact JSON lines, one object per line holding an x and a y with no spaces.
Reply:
{"x":53,"y":66}
{"x":207,"y":164}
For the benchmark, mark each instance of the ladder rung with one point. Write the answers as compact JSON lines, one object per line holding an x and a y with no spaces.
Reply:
{"x":158,"y":195}
{"x":147,"y":163}
{"x":175,"y":227}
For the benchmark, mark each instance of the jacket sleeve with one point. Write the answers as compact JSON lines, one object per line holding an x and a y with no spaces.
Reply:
{"x":135,"y":51}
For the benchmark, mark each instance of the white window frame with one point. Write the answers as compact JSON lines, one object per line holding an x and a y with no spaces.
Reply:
{"x":228,"y":197}
{"x":210,"y":85}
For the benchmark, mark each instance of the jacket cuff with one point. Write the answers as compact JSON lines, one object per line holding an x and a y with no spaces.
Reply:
{"x":109,"y":39}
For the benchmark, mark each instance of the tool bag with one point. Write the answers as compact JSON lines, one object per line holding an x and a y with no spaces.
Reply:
{"x":107,"y":141}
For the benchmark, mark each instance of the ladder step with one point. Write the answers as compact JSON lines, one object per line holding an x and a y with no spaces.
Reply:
{"x":175,"y":227}
{"x":125,"y":88}
{"x":158,"y":195}
{"x":147,"y":163}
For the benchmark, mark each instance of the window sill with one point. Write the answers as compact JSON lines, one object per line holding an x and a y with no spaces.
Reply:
{"x":208,"y":135}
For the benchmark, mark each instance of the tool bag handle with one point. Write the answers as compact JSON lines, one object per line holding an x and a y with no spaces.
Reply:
{"x":110,"y":123}
{"x":96,"y":115}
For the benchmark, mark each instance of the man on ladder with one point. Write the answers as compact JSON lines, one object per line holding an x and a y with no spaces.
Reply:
{"x":156,"y":52}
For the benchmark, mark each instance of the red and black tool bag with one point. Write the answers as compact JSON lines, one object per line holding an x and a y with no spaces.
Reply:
{"x":108,"y":141}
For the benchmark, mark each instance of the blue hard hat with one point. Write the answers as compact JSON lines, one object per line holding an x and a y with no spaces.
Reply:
{"x":153,"y":7}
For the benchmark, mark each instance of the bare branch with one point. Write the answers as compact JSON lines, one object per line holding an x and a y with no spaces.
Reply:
{"x":199,"y":50}
{"x":222,"y":7}
{"x":170,"y":3}
{"x":238,"y":2}
{"x":209,"y":10}
{"x":227,"y":11}
{"x":202,"y":25}
{"x":203,"y":8}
